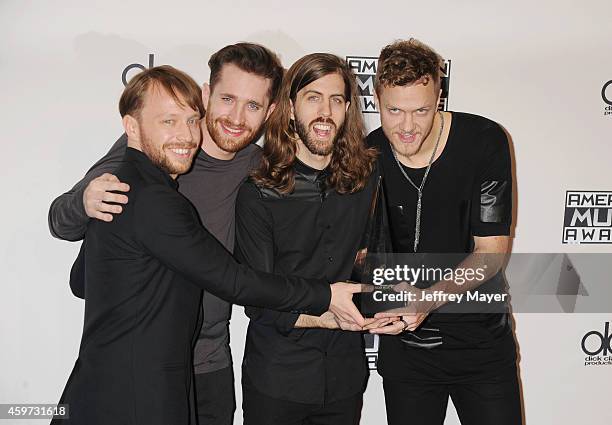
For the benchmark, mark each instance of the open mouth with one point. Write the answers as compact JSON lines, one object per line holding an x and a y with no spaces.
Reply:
{"x":322,"y":130}
{"x":407,"y":137}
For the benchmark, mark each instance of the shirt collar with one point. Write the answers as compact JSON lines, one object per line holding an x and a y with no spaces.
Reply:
{"x":311,"y":174}
{"x":146,"y":166}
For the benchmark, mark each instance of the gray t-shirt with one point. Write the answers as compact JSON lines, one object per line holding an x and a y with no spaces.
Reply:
{"x":212,"y":186}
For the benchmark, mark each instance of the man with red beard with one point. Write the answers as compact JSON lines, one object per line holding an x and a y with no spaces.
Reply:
{"x":304,"y":212}
{"x":244,"y":81}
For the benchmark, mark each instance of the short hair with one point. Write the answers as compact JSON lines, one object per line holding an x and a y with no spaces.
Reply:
{"x":249,"y":57}
{"x":178,"y":84}
{"x":406,"y":62}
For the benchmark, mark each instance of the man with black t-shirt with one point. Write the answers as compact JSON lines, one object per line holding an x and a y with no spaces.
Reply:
{"x":449,"y":190}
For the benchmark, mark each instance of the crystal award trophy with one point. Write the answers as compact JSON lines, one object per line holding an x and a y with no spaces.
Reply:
{"x":375,"y":253}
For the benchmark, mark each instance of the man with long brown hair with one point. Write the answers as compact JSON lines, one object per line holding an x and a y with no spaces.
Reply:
{"x":303,"y":212}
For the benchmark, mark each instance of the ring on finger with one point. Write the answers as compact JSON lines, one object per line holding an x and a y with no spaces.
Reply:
{"x":406,"y":324}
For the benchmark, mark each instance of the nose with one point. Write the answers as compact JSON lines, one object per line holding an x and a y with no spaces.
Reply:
{"x":325,"y":109}
{"x":185,"y":133}
{"x":407,"y":124}
{"x":236,"y":115}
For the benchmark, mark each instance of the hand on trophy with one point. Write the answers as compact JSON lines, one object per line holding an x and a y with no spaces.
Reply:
{"x":380,"y":322}
{"x":406,"y":318}
{"x":399,"y":324}
{"x":342,"y":306}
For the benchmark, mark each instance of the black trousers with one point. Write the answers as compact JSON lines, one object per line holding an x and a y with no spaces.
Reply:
{"x":216,"y":401}
{"x":259,"y":409}
{"x":496,"y":401}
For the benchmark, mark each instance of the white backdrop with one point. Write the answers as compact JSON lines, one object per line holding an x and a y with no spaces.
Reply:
{"x":537,"y":68}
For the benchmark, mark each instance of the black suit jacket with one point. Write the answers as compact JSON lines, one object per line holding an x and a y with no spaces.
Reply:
{"x":141,"y":276}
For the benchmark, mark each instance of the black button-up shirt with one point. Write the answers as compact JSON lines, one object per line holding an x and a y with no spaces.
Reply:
{"x":312,"y":232}
{"x":142,"y":276}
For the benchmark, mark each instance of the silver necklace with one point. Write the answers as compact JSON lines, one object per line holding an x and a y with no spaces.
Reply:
{"x":419,"y":189}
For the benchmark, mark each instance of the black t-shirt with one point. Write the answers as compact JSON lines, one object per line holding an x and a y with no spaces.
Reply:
{"x":468,"y":193}
{"x":453,"y":210}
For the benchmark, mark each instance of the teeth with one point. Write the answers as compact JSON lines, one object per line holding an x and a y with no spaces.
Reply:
{"x":181,"y":151}
{"x":322,"y":127}
{"x":231,"y":130}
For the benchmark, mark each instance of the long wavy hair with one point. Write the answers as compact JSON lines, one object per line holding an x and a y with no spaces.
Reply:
{"x":351,"y":162}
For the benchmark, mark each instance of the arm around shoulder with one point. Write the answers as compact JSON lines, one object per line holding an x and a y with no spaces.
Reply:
{"x":67,"y":218}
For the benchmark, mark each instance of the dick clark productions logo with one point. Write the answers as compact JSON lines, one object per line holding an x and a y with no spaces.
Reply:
{"x":127,"y":69}
{"x":606,"y":95}
{"x":598,"y":347}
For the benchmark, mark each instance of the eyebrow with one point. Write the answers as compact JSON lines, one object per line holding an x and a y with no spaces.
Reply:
{"x":234,"y":97}
{"x":174,"y":115}
{"x":321,"y":94}
{"x":392,"y":106}
{"x":256,"y":103}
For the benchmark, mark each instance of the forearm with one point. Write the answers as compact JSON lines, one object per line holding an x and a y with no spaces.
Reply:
{"x":308,"y":321}
{"x":67,"y":218}
{"x":480,"y":266}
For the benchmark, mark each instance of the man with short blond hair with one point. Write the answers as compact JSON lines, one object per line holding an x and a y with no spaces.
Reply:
{"x":244,"y":82}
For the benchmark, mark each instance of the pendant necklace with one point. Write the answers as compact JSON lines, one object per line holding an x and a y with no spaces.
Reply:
{"x":419,"y":189}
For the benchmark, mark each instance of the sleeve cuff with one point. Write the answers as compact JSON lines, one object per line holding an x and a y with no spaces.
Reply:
{"x":285,"y":323}
{"x":322,"y":295}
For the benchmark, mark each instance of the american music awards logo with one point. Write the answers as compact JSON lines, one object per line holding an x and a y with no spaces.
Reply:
{"x":588,"y":217}
{"x":364,"y":68}
{"x":371,"y":349}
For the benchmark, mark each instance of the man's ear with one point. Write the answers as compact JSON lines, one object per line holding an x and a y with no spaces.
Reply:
{"x":205,"y":94}
{"x":132,"y":128}
{"x":292,"y":110}
{"x":376,"y":101}
{"x":271,"y":109}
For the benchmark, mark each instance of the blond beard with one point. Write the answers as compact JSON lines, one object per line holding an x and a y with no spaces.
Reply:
{"x":160,"y":159}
